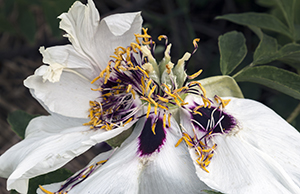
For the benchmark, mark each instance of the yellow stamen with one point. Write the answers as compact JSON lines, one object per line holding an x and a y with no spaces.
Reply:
{"x":187,"y":141}
{"x":195,"y":74}
{"x":223,"y":102}
{"x":101,"y":162}
{"x":163,"y":84}
{"x":195,"y":42}
{"x":129,"y":88}
{"x":162,"y":99}
{"x":164,"y":120}
{"x":151,"y":91}
{"x":148,"y":110}
{"x":130,"y":119}
{"x":45,"y":191}
{"x":163,"y":107}
{"x":153,"y":128}
{"x":148,"y":85}
{"x":133,"y":94}
{"x":144,"y":72}
{"x":178,"y":142}
{"x":169,"y":119}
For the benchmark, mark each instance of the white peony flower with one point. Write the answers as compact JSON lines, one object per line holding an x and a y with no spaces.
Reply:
{"x":185,"y":138}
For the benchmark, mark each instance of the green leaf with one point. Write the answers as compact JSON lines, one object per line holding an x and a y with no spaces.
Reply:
{"x":260,"y":20}
{"x":265,"y":51}
{"x":18,"y":121}
{"x":222,"y":86}
{"x":273,"y":77}
{"x":290,"y":54}
{"x":52,"y":177}
{"x":212,"y":192}
{"x":232,"y":51}
{"x":287,"y":8}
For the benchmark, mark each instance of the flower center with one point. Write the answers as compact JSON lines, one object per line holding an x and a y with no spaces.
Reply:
{"x":131,"y":82}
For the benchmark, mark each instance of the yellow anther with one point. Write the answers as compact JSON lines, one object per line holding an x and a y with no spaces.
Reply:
{"x":148,"y":110}
{"x":162,"y":37}
{"x":199,"y":85}
{"x":170,"y":94}
{"x":94,"y":80}
{"x":144,"y":72}
{"x":195,"y":42}
{"x":207,"y":102}
{"x":155,"y":109}
{"x":118,"y":57}
{"x":188,"y":142}
{"x":169,"y":90}
{"x":184,"y":103}
{"x":129,"y":88}
{"x":45,"y":191}
{"x":177,"y":95}
{"x":153,"y":128}
{"x":195,"y":74}
{"x":187,"y":136}
{"x":223,"y":102}
{"x":180,"y":89}
{"x":134,"y":46}
{"x":151,"y":91}
{"x":133,"y":94}
{"x":130,"y":119}
{"x":203,"y":167}
{"x":197,"y":112}
{"x":98,"y":89}
{"x":169,"y":119}
{"x":177,"y":102}
{"x":162,"y":99}
{"x":148,"y":85}
{"x":178,"y":142}
{"x":163,"y":107}
{"x":164,"y":120}
{"x":101,"y":162}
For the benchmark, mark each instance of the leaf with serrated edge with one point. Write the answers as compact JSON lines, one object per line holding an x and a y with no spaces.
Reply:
{"x":232,"y":51}
{"x":272,"y":77}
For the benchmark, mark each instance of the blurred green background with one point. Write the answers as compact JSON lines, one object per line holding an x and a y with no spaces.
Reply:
{"x":25,"y":25}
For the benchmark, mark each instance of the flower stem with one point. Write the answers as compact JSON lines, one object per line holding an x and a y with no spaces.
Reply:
{"x":294,"y":114}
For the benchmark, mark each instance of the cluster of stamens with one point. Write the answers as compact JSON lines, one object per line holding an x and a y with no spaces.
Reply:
{"x":129,"y":78}
{"x":204,"y":146}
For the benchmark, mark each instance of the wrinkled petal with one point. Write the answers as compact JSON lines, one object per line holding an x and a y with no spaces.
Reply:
{"x":127,"y":172}
{"x":270,"y":133}
{"x":66,"y":58}
{"x":69,"y":97}
{"x":51,"y":142}
{"x":98,"y":40}
{"x":256,"y":156}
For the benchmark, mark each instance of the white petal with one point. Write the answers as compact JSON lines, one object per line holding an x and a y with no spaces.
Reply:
{"x":260,"y":155}
{"x":268,"y":132}
{"x":69,"y":97}
{"x":66,"y":58}
{"x":98,"y":41}
{"x":238,"y":167}
{"x":168,"y":171}
{"x":50,"y":143}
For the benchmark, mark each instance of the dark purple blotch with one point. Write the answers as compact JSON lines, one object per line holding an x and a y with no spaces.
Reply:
{"x":228,"y":122}
{"x":148,"y":142}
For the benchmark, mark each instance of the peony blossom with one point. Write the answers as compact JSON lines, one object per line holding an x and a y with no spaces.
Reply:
{"x":187,"y":136}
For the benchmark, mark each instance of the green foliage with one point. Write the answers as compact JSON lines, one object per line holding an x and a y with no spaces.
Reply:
{"x":24,"y":23}
{"x":18,"y":121}
{"x":273,"y":77}
{"x":260,"y":20}
{"x":52,"y":177}
{"x":232,"y":50}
